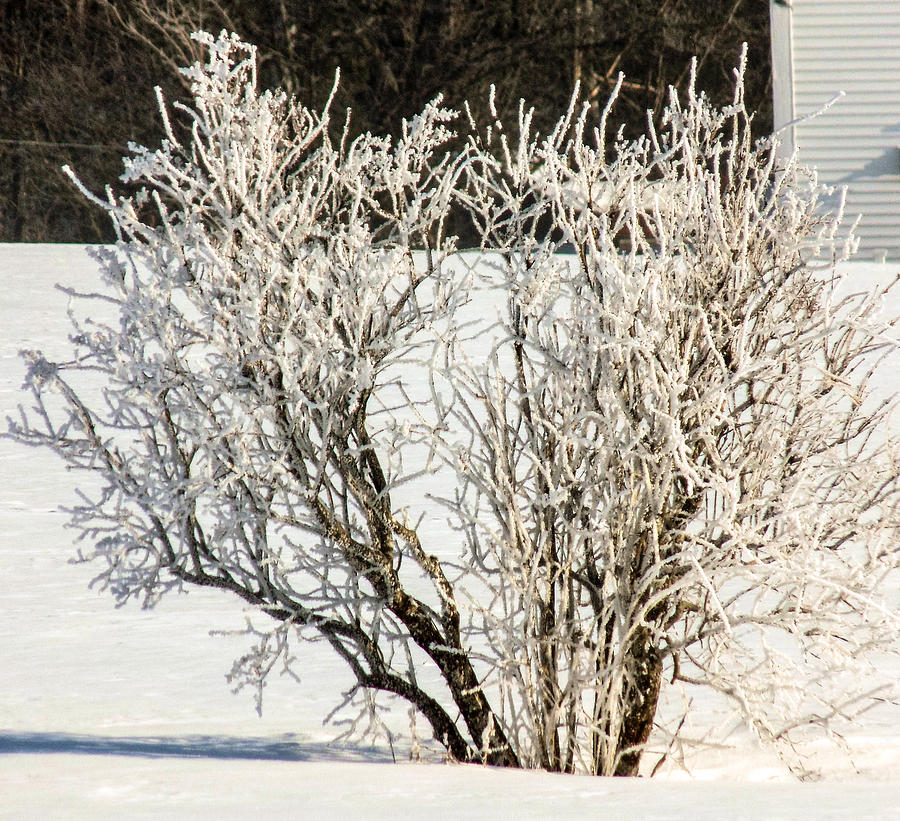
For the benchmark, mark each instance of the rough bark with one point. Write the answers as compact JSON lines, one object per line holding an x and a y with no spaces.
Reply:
{"x":643,"y":680}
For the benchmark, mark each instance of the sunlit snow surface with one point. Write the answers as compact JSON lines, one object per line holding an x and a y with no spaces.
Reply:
{"x":108,"y":713}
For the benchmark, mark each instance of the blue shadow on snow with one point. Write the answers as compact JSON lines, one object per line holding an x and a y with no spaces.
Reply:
{"x":215,"y":747}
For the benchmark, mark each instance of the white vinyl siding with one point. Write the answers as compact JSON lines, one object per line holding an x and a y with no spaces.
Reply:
{"x":851,"y":46}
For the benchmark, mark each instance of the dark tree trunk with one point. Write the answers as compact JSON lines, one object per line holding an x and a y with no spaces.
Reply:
{"x":641,"y":699}
{"x":17,"y":195}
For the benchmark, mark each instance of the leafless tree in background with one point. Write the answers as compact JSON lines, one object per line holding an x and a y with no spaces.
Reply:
{"x":76,"y":76}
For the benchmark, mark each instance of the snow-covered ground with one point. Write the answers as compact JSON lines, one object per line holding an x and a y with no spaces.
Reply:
{"x":108,"y":713}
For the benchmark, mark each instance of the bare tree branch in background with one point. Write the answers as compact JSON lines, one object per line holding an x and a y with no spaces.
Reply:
{"x":165,"y":29}
{"x":79,"y":73}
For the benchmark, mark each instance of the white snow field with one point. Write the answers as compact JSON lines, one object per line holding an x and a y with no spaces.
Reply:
{"x":124,"y":713}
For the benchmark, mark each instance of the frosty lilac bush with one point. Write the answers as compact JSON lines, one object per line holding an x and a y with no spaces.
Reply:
{"x":259,"y":311}
{"x":668,"y":465}
{"x":681,"y":477}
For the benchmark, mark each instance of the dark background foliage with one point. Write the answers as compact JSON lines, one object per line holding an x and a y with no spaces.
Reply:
{"x":77,"y":76}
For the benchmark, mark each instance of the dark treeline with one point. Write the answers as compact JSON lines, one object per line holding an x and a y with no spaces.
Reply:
{"x":77,"y":76}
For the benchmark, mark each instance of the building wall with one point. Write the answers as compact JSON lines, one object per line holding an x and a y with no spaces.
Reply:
{"x":823,"y":47}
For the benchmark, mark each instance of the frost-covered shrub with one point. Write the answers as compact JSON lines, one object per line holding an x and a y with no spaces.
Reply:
{"x":667,"y":464}
{"x":681,"y":477}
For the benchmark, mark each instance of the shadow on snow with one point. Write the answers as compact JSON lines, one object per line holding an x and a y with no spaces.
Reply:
{"x":200,"y":746}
